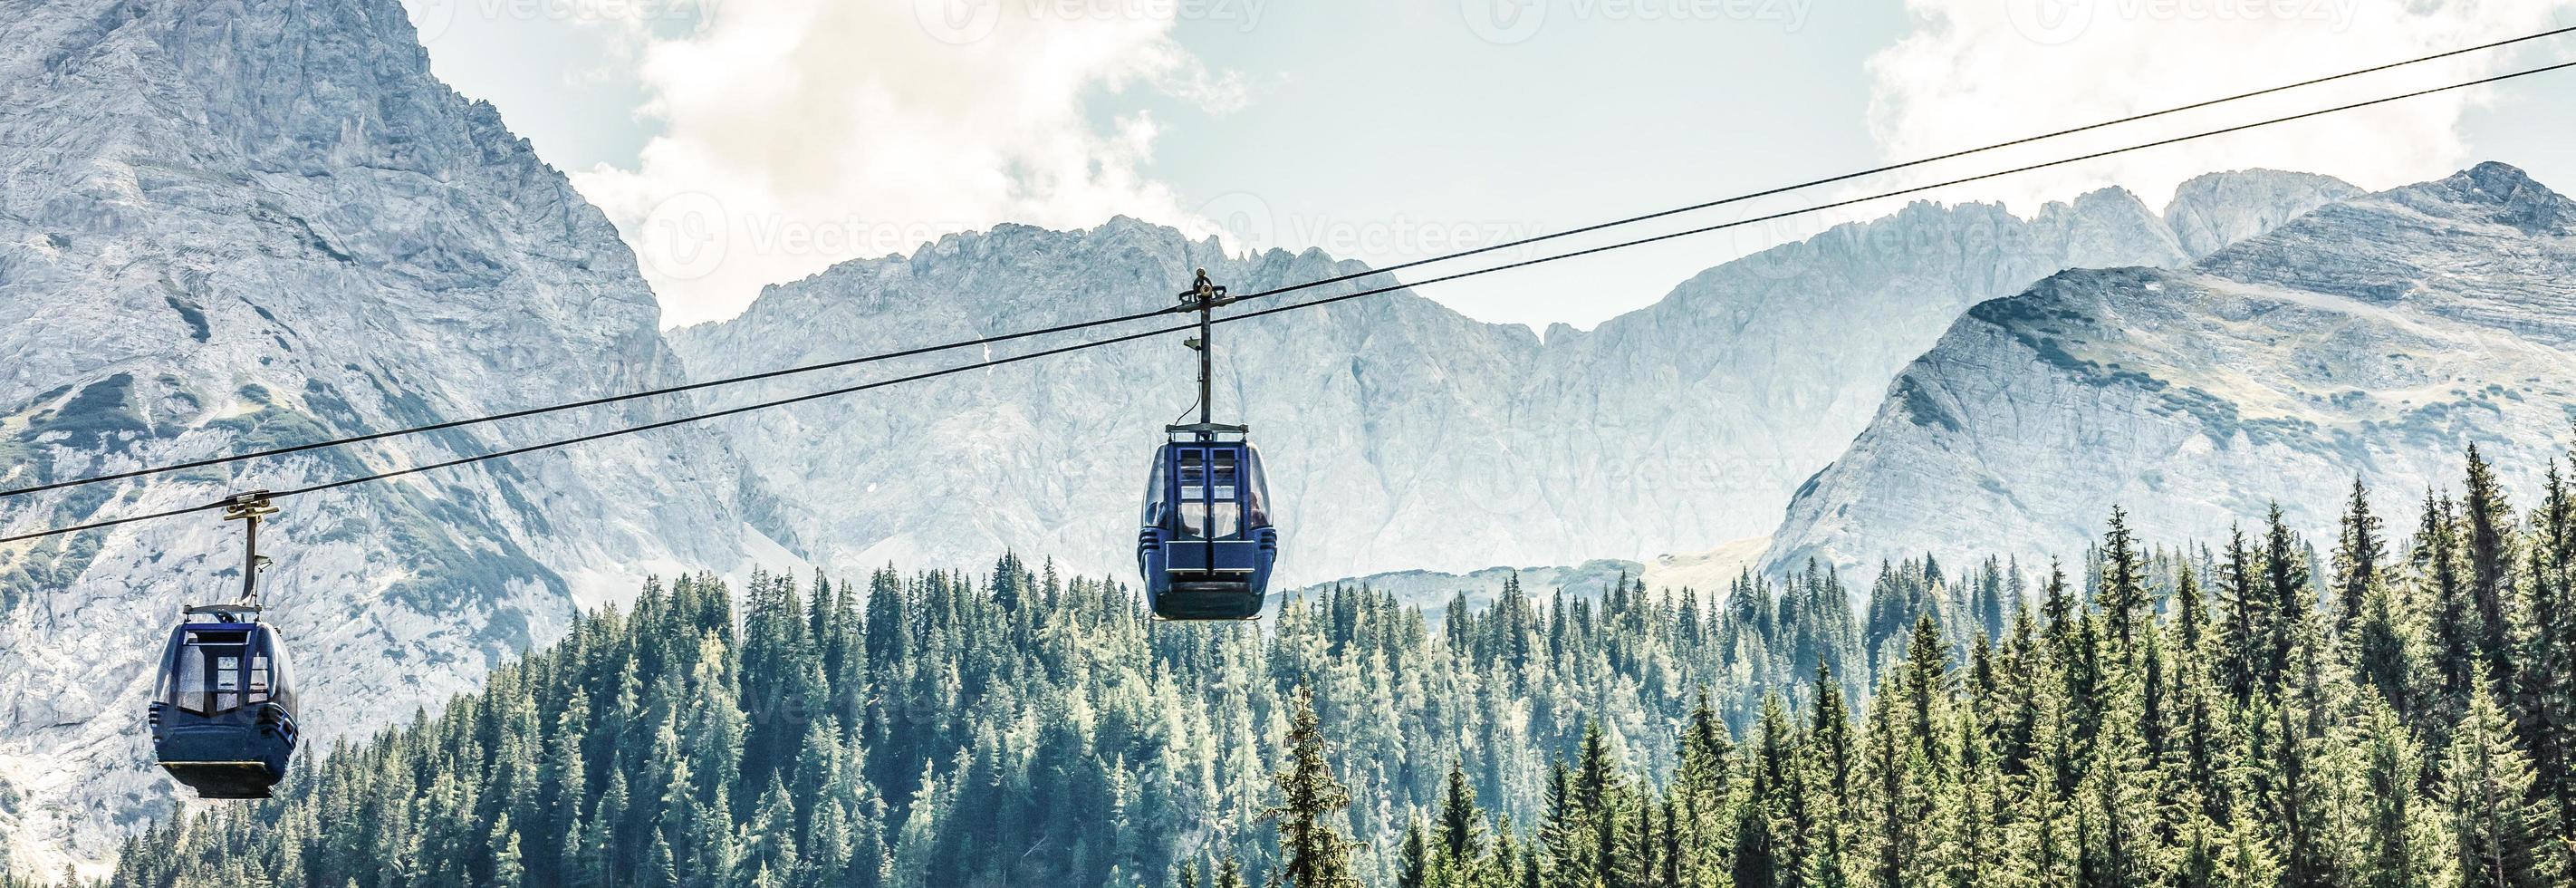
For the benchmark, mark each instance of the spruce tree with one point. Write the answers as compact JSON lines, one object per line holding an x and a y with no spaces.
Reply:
{"x":1462,"y":825}
{"x":2488,"y":537}
{"x":2500,"y":838}
{"x":1756,"y":860}
{"x":2400,"y":843}
{"x":2384,"y":642}
{"x":2457,"y":665}
{"x":2125,"y":604}
{"x":2358,"y":553}
{"x":1414,"y":860}
{"x":2286,"y":591}
{"x":2245,"y":622}
{"x":1893,"y":800}
{"x":1312,"y":850}
{"x":2545,"y":702}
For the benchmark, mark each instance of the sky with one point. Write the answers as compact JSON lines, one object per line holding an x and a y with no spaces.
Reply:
{"x":740,"y":143}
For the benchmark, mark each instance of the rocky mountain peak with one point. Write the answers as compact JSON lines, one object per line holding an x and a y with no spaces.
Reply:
{"x":2212,"y":210}
{"x":238,"y":226}
{"x":2377,"y":335}
{"x":2505,"y":195}
{"x":1400,"y":433}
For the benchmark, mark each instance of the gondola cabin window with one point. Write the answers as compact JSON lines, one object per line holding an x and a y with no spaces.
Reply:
{"x":227,"y":682}
{"x":1208,"y":505}
{"x":209,"y":675}
{"x":192,"y":683}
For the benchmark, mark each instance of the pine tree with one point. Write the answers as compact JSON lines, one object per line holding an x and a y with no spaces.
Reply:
{"x":2545,"y":703}
{"x":2251,"y":861}
{"x":1461,"y":830}
{"x":2286,"y":591}
{"x":2384,"y":641}
{"x":2197,"y":860}
{"x":2401,"y":836}
{"x":2457,"y":666}
{"x":508,"y":868}
{"x":2499,"y":836}
{"x":1314,"y":853}
{"x":1894,"y":801}
{"x":1756,"y":859}
{"x":1415,"y":860}
{"x":2124,"y":601}
{"x":2245,"y":622}
{"x":2489,"y":541}
{"x":2289,"y":791}
{"x":1598,"y":792}
{"x":1565,"y":835}
{"x":2358,"y":553}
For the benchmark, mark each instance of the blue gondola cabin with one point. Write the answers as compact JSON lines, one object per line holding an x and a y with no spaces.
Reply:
{"x":1207,"y":544}
{"x":223,"y":713}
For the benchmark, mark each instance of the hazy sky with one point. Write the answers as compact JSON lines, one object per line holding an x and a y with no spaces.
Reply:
{"x":738,"y":143}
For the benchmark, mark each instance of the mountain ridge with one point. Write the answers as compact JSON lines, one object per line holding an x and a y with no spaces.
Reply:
{"x":242,"y":226}
{"x":265,"y":223}
{"x":1536,"y":460}
{"x":2375,"y":335}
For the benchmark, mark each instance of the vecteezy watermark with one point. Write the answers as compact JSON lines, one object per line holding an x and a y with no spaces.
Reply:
{"x":689,"y":235}
{"x":1510,"y":484}
{"x":1251,"y":224}
{"x":2054,"y":22}
{"x":962,"y":22}
{"x":1931,"y":242}
{"x":1512,"y":21}
{"x":431,"y":18}
{"x":684,"y":237}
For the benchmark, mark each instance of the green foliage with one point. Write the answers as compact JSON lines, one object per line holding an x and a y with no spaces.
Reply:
{"x":2271,"y":729}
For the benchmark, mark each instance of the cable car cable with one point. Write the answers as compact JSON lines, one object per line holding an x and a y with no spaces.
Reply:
{"x":1898,"y":193}
{"x":1889,"y":168}
{"x":516,"y":451}
{"x":570,"y":405}
{"x":1083,"y":325}
{"x":113,"y":522}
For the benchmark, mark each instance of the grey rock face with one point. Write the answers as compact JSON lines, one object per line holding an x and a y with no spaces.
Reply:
{"x":232,"y":226}
{"x":2375,"y":337}
{"x":237,"y":225}
{"x":1399,"y":434}
{"x":2210,"y":212}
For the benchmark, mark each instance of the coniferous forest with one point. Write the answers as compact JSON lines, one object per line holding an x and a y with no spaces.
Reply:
{"x":2391,"y":708}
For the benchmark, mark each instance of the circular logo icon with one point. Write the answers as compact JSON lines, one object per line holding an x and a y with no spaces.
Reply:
{"x":1504,"y":22}
{"x":1245,"y":219}
{"x":684,"y":236}
{"x":2050,"y":22}
{"x":957,"y":22}
{"x":1497,"y":484}
{"x":430,"y":18}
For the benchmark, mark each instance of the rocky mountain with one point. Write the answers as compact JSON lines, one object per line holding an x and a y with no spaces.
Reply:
{"x":1398,"y":433}
{"x":237,"y":225}
{"x":233,"y":226}
{"x":2375,"y":336}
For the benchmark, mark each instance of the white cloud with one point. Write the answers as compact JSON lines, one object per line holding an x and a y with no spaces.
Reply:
{"x":1972,"y":72}
{"x":798,"y":133}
